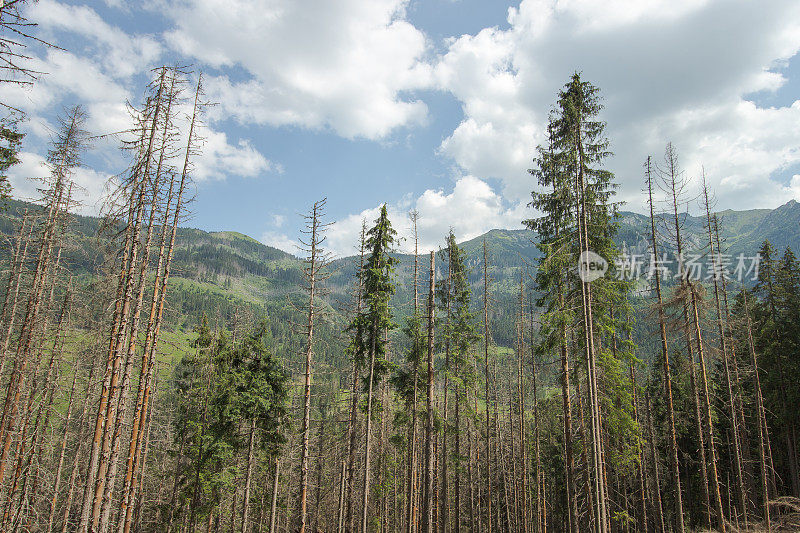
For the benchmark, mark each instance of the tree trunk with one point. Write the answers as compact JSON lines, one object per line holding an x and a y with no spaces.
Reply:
{"x":248,"y":475}
{"x":273,"y":511}
{"x":486,"y":339}
{"x":427,"y":508}
{"x":676,"y":479}
{"x":760,"y":414}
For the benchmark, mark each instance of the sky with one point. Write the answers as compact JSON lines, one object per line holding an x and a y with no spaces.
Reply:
{"x":433,"y":105}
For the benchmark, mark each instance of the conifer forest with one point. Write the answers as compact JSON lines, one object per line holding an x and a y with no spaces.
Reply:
{"x":594,"y":369}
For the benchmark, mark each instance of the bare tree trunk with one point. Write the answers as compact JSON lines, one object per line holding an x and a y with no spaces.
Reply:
{"x":411,"y":470}
{"x":248,"y":475}
{"x":273,"y":512}
{"x":588,"y":327}
{"x":541,"y":510}
{"x":709,"y":420}
{"x":427,"y":508}
{"x":368,"y":436}
{"x":351,"y":426}
{"x":444,"y":504}
{"x":640,"y":455}
{"x":761,"y":415}
{"x":17,"y":275}
{"x":676,"y":479}
{"x":100,"y":452}
{"x":486,"y":340}
{"x":523,"y":454}
{"x":657,"y":481}
{"x":340,"y":509}
{"x":569,"y":467}
{"x":737,"y":453}
{"x":314,"y":263}
{"x":62,"y":452}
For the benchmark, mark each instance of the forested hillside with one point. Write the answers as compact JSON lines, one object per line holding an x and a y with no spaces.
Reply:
{"x":216,"y":274}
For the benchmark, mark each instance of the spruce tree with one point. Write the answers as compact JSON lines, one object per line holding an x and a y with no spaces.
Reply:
{"x":578,"y":216}
{"x":373,"y":323}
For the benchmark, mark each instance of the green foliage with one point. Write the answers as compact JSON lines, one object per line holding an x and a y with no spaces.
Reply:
{"x":371,"y":326}
{"x":459,"y":330}
{"x":10,"y":143}
{"x":218,"y":386}
{"x":569,"y":169}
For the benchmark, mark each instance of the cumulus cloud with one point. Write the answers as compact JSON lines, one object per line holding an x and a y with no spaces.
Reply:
{"x":342,"y":65}
{"x":281,"y":241}
{"x":219,"y":158}
{"x":676,"y":71}
{"x":106,"y":72}
{"x":121,"y":54}
{"x":471,"y":209}
{"x":794,"y":187}
{"x":25,"y":178}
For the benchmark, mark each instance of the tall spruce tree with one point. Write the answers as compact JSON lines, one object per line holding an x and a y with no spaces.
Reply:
{"x":578,"y":216}
{"x":372,"y":324}
{"x":459,"y":334}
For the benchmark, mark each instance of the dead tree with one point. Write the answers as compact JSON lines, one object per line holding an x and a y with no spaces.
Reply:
{"x":662,"y":321}
{"x":63,"y":158}
{"x":725,"y":349}
{"x":428,"y":504}
{"x":314,"y":272}
{"x":411,"y":471}
{"x":486,"y":341}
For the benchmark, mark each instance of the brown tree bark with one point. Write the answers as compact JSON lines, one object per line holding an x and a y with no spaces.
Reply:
{"x":676,"y":478}
{"x":487,"y":377}
{"x":314,"y":264}
{"x":724,"y":351}
{"x":427,"y":507}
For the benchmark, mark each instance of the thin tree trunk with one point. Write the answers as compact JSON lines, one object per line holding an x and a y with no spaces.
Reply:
{"x":427,"y":508}
{"x":411,"y":471}
{"x":640,"y":455}
{"x":368,"y":436}
{"x":737,"y":455}
{"x":761,"y":415}
{"x":486,"y":340}
{"x":100,"y":451}
{"x":523,"y":456}
{"x":340,"y":509}
{"x":541,"y":511}
{"x":313,"y":265}
{"x":444,"y":504}
{"x":659,"y":506}
{"x":248,"y":475}
{"x":676,"y":479}
{"x":709,"y":419}
{"x":351,"y":426}
{"x":273,"y":511}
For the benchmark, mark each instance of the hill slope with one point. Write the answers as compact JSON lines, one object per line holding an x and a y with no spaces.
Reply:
{"x":215,"y":273}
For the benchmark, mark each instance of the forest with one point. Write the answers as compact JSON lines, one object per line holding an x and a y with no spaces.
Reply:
{"x":597,"y":370}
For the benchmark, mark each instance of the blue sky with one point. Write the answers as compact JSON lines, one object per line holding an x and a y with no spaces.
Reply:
{"x":435,"y":105}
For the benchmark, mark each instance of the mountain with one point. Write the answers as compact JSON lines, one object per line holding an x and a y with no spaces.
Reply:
{"x":218,"y":273}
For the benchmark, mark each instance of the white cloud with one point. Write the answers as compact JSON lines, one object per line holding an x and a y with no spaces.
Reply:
{"x":674,"y":71}
{"x":219,"y":158}
{"x":342,"y":65}
{"x":86,"y":195}
{"x":281,"y":241}
{"x":471,"y":209}
{"x":794,"y":187}
{"x":121,"y":55}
